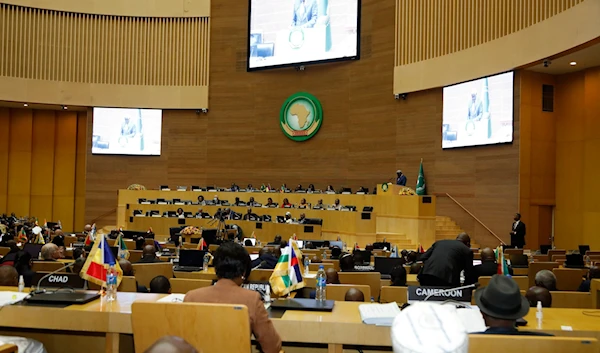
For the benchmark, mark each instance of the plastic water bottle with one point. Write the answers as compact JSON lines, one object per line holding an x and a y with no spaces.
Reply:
{"x":321,"y":283}
{"x":306,"y":265}
{"x":111,"y":284}
{"x":324,"y":256}
{"x":462,"y":277}
{"x":206,"y":261}
{"x":21,"y":284}
{"x":539,"y":315}
{"x":588,"y":261}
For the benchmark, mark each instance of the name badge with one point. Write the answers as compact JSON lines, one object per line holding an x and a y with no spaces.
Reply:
{"x":416,"y":294}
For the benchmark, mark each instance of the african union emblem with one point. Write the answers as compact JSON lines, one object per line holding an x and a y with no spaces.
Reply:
{"x":301,"y":116}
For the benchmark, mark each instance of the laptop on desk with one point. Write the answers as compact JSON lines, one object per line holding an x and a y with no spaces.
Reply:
{"x":519,"y":261}
{"x":190,"y":260}
{"x":64,"y":298}
{"x":384,"y":265}
{"x":574,"y":261}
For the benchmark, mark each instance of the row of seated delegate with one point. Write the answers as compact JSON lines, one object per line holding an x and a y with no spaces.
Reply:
{"x":336,"y":206}
{"x":228,"y":214}
{"x":268,"y":188}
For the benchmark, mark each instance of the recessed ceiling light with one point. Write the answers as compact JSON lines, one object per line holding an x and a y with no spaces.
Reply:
{"x":573,"y":63}
{"x":25,"y":105}
{"x":65,"y":107}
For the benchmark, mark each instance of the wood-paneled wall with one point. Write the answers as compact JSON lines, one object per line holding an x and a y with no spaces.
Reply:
{"x":537,"y":162}
{"x":442,"y":42}
{"x":103,"y":60}
{"x":577,"y":215}
{"x":42,"y":164}
{"x":366,"y":134}
{"x":430,"y":28}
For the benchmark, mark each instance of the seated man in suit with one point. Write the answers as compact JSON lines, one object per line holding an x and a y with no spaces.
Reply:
{"x":585,"y":285}
{"x":148,"y":255}
{"x":266,"y":260}
{"x":319,"y":205}
{"x":202,"y":214}
{"x":539,"y":294}
{"x":250,"y":216}
{"x":398,"y":276}
{"x":253,"y":203}
{"x":288,"y":218}
{"x":302,"y":219}
{"x":128,"y":271}
{"x":501,"y":304}
{"x":488,"y":266}
{"x":232,"y":266}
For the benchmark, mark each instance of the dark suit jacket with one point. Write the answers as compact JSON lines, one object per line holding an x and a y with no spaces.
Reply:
{"x":227,"y":292}
{"x":518,"y":239}
{"x":445,"y":259}
{"x":271,"y":262}
{"x":148,"y":260}
{"x":487,"y":268}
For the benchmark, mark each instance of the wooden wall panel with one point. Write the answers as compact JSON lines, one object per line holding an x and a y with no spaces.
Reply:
{"x":366,"y":134}
{"x":4,"y":150}
{"x":38,"y":164}
{"x":80,"y":165}
{"x":19,"y":161}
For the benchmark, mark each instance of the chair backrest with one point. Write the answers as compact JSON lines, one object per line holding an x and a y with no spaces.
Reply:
{"x":508,"y":252}
{"x":569,"y":279}
{"x":69,"y":241}
{"x":371,"y":279}
{"x":531,"y":344}
{"x":592,"y":252}
{"x":128,"y":284}
{"x":522,"y":281}
{"x":4,"y":250}
{"x":541,"y":257}
{"x":556,"y":252}
{"x":536,"y":267}
{"x":253,"y":249}
{"x":135,"y":255}
{"x":315,"y":266}
{"x":144,"y":273}
{"x":337,"y":292}
{"x":260,"y":275}
{"x":393,"y":294}
{"x":335,"y":263}
{"x":559,"y":258}
{"x":8,"y":348}
{"x":184,"y":285}
{"x":47,"y":266}
{"x":227,"y":328}
{"x":569,"y":300}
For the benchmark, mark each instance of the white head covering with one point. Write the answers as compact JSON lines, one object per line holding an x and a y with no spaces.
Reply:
{"x":36,"y":230}
{"x":429,"y":328}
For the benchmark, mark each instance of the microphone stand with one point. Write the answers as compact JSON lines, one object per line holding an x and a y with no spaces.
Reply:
{"x":474,"y":285}
{"x":38,"y":290}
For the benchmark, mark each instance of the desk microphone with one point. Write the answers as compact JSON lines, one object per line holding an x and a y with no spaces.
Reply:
{"x":262,"y":263}
{"x":38,"y":291}
{"x":474,"y":285}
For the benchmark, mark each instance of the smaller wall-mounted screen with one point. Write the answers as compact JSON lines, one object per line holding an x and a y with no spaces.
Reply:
{"x":127,"y":131}
{"x":478,"y":112}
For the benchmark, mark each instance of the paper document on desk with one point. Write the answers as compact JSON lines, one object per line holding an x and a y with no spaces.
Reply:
{"x":470,"y":317}
{"x":8,"y":298}
{"x":378,"y":314}
{"x":172,"y":298}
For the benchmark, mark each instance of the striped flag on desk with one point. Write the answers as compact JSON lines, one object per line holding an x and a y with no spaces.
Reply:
{"x":287,"y":275}
{"x":98,"y":262}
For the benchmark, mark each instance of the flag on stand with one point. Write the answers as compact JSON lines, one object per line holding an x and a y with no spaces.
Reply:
{"x":22,"y":237}
{"x":45,"y":223}
{"x":421,"y":190}
{"x":253,"y":236}
{"x":295,"y":237}
{"x":122,"y":251}
{"x":420,"y":249}
{"x":502,"y":265}
{"x":39,"y":238}
{"x":88,"y":239}
{"x":287,"y":275}
{"x":158,"y":247}
{"x":202,"y":244}
{"x":98,"y":262}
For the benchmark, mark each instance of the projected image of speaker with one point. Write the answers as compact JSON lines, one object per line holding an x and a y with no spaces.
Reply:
{"x":479,"y":112}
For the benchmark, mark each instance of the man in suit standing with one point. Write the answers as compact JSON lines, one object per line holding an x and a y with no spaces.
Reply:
{"x":400,"y":178}
{"x":444,"y":261}
{"x":517,"y":235}
{"x":305,"y":14}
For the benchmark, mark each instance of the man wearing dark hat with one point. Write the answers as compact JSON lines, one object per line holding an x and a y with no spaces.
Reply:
{"x":501,"y":304}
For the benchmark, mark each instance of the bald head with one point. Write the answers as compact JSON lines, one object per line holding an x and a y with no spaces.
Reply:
{"x":149,"y":250}
{"x":539,"y":294}
{"x":487,"y":254}
{"x":316,"y":260}
{"x":50,"y":252}
{"x":594,"y":272}
{"x":126,"y":267}
{"x":9,"y":276}
{"x":87,"y":228}
{"x":464,"y":238}
{"x":58,"y":233}
{"x":171,"y":344}
{"x":354,"y":295}
{"x":332,"y":276}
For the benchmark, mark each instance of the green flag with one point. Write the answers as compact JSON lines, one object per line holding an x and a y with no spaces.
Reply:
{"x":421,"y":181}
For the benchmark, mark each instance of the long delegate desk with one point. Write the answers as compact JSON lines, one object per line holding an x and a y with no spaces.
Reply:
{"x":403,"y":220}
{"x":106,"y":327}
{"x":264,"y":233}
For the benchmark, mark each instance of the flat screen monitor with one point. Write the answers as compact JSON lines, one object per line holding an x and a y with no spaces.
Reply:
{"x":479,"y":112}
{"x":299,"y":32}
{"x":127,"y":131}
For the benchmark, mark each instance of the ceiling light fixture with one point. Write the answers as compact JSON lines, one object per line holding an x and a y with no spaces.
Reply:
{"x":65,"y":107}
{"x":25,"y":105}
{"x":573,"y":63}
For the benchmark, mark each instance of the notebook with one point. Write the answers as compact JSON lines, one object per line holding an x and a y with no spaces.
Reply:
{"x":378,"y":314}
